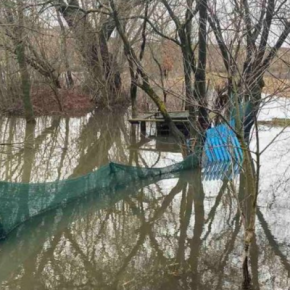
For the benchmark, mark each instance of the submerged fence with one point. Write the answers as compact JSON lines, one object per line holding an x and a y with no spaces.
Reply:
{"x":22,"y":201}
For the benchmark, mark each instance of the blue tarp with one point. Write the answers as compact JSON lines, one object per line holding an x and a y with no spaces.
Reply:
{"x":223,"y":153}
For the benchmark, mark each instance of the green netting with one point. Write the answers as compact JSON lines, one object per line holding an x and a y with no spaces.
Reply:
{"x":20,"y":202}
{"x":33,"y":234}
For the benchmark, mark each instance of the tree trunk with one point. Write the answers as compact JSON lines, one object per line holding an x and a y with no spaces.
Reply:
{"x":69,"y":79}
{"x":200,"y":78}
{"x":133,"y":95}
{"x":94,"y":49}
{"x":24,"y":74}
{"x":189,"y":97}
{"x":253,"y":88}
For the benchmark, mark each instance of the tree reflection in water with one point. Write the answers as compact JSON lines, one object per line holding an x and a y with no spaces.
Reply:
{"x":178,"y":233}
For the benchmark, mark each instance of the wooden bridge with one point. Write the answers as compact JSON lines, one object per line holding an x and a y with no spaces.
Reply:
{"x":180,"y":118}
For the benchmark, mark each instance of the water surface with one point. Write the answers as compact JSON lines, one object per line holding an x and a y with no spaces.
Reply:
{"x":177,"y":233}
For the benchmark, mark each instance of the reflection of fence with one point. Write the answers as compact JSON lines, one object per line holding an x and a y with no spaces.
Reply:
{"x":220,"y":171}
{"x":223,"y":153}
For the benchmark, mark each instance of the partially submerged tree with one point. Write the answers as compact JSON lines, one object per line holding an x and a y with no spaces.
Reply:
{"x":136,"y":67}
{"x":93,"y":45}
{"x":20,"y":47}
{"x":196,"y":95}
{"x":249,"y":35}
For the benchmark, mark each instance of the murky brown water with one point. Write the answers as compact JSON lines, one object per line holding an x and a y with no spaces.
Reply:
{"x":179,"y":233}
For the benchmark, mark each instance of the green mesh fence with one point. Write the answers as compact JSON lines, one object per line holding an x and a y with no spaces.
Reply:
{"x":20,"y":202}
{"x":28,"y":239}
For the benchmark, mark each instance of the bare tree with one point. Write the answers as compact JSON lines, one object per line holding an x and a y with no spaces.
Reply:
{"x":20,"y":44}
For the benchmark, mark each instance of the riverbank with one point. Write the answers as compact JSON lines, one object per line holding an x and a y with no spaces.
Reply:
{"x":76,"y":102}
{"x":46,"y":102}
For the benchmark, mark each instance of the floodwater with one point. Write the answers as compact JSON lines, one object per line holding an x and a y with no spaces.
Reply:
{"x":184,"y":232}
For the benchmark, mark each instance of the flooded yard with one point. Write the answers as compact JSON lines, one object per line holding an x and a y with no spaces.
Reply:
{"x":182,"y":232}
{"x":144,"y":145}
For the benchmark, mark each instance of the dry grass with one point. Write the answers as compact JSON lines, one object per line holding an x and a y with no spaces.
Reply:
{"x":276,"y":86}
{"x":273,"y":85}
{"x":276,"y":122}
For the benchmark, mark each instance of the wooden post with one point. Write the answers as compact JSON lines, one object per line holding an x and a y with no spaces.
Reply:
{"x":143,"y":128}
